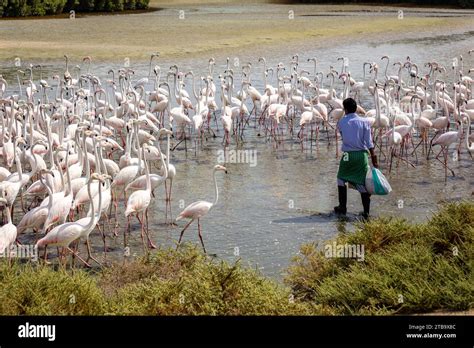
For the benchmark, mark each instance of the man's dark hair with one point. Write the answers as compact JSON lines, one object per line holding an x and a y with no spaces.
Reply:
{"x":350,"y":105}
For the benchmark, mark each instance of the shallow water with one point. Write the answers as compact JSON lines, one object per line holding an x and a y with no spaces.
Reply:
{"x":269,"y":210}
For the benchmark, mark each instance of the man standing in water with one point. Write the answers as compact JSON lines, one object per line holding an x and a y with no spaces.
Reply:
{"x":356,"y":145}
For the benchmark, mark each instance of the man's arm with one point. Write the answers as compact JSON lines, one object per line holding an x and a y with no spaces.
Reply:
{"x":370,"y":145}
{"x":373,"y":156}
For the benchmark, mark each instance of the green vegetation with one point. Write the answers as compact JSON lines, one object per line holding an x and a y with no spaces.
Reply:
{"x":408,"y":268}
{"x":189,"y":283}
{"x":40,"y":290}
{"x":23,"y":8}
{"x":429,"y":265}
{"x":168,"y":283}
{"x":106,"y":5}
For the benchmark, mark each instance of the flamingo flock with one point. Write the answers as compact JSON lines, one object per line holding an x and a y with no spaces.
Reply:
{"x":77,"y":151}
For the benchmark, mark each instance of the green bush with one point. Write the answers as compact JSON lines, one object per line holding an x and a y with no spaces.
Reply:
{"x":27,"y":289}
{"x":22,"y":8}
{"x":189,"y":283}
{"x":183,"y":282}
{"x":106,"y":5}
{"x":466,"y":3}
{"x":408,"y":268}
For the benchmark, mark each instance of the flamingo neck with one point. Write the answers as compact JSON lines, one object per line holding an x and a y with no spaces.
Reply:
{"x":86,"y":159}
{"x":61,"y":175}
{"x":96,"y":217}
{"x":216,"y":189}
{"x":9,"y":215}
{"x":79,"y":149}
{"x":138,"y":146}
{"x":167,"y":150}
{"x":147,"y":171}
{"x":68,"y":176}
{"x":49,"y":189}
{"x":18,"y":164}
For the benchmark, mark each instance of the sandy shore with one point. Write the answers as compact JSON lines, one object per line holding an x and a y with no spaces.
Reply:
{"x":185,"y":29}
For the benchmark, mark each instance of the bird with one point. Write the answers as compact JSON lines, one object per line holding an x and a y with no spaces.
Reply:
{"x":196,"y":210}
{"x":36,"y":217}
{"x":139,"y":201}
{"x":470,"y":147}
{"x":445,"y":140}
{"x":64,"y":234}
{"x":8,"y":232}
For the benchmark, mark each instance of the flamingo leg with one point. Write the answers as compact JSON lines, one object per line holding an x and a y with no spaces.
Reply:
{"x":182,"y":232}
{"x":73,"y":259}
{"x":145,"y":248}
{"x":142,"y":236}
{"x":62,"y":258}
{"x":169,"y":201}
{"x":80,"y":258}
{"x":102,"y":233}
{"x":445,"y":164}
{"x":150,"y":243}
{"x":89,"y":253}
{"x":125,"y":232}
{"x":200,"y":236}
{"x":166,"y":201}
{"x":45,"y":257}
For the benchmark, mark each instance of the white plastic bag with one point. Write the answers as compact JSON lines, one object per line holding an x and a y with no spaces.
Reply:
{"x":376,"y":183}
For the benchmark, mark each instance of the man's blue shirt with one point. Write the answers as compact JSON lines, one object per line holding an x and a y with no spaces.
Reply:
{"x":355,"y":132}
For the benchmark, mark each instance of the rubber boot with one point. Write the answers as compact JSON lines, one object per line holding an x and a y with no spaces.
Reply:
{"x":342,"y":193}
{"x":366,"y":204}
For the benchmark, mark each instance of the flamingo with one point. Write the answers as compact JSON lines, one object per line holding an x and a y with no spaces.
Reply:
{"x":445,"y":140}
{"x":137,"y":203}
{"x":171,"y":176}
{"x":36,"y":217}
{"x":155,"y":180}
{"x":8,"y":232}
{"x":62,"y":203}
{"x":63,"y":235}
{"x":468,"y":136}
{"x":199,"y":209}
{"x":11,"y":189}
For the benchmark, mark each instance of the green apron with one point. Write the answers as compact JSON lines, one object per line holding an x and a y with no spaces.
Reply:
{"x":353,"y":167}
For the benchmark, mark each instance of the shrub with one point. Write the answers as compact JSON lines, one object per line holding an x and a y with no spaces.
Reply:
{"x":183,"y":282}
{"x":27,"y":289}
{"x":21,"y":8}
{"x":189,"y":283}
{"x":408,"y":267}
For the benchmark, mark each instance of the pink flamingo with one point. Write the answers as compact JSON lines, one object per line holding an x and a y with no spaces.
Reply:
{"x":36,"y":217}
{"x":63,"y":235}
{"x":62,"y":201}
{"x":199,"y":209}
{"x":139,"y":200}
{"x":8,"y":231}
{"x":445,"y":140}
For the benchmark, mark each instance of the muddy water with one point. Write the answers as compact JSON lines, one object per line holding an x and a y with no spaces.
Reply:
{"x":265,"y":212}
